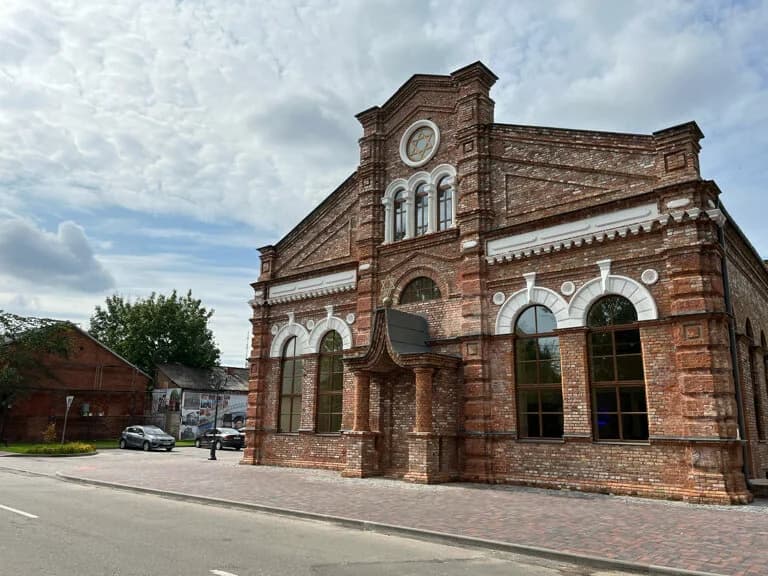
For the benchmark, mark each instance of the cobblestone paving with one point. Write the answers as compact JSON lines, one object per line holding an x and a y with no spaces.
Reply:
{"x":730,"y":540}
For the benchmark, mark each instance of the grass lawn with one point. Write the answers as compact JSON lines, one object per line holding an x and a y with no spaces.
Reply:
{"x":25,"y":447}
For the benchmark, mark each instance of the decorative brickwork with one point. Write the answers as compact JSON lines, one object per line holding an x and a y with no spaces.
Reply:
{"x":552,"y":217}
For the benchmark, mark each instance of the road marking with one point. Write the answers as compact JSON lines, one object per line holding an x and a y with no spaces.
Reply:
{"x":17,"y":511}
{"x":222,"y":573}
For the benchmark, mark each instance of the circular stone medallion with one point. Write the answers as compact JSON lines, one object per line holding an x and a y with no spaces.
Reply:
{"x":498,"y":298}
{"x":419,"y":143}
{"x":649,"y":276}
{"x":567,"y":288}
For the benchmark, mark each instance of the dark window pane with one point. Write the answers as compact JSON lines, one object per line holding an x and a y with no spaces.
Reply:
{"x":323,"y":423}
{"x":552,"y":425}
{"x":527,"y":373}
{"x":611,"y":311}
{"x":526,"y":322}
{"x":549,"y":348}
{"x":323,"y":404}
{"x":529,"y":425}
{"x":605,"y":400}
{"x":551,"y":401}
{"x":634,"y":426}
{"x":331,"y":342}
{"x":629,"y":367}
{"x":549,"y":372}
{"x":285,"y":422}
{"x":601,"y":343}
{"x":628,"y":341}
{"x":335,"y":423}
{"x":602,"y":369}
{"x":608,"y":427}
{"x":632,"y":399}
{"x":336,"y":402}
{"x":529,"y":401}
{"x":545,"y":320}
{"x":526,"y":349}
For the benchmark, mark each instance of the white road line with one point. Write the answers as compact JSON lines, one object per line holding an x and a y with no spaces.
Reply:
{"x":27,"y":514}
{"x":222,"y":573}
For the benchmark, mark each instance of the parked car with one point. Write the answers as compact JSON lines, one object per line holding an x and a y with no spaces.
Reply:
{"x":146,"y":438}
{"x":224,"y":438}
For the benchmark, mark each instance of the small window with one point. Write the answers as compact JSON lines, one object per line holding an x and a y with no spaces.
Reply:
{"x":400,"y":216}
{"x":422,"y":210}
{"x":420,"y":290}
{"x":444,"y":204}
{"x":330,"y":384}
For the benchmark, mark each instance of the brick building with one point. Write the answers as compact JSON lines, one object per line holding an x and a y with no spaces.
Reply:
{"x":515,"y":304}
{"x":108,"y":394}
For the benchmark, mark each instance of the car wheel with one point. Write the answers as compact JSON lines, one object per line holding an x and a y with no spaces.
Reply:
{"x":145,"y":446}
{"x":169,"y":448}
{"x":218,"y":445}
{"x":238,"y":447}
{"x":122,"y":444}
{"x":197,"y":443}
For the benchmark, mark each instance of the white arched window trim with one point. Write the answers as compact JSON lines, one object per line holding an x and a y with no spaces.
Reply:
{"x":582,"y":300}
{"x":519,"y":301}
{"x":286,"y":332}
{"x":326,"y":325}
{"x":430,"y":179}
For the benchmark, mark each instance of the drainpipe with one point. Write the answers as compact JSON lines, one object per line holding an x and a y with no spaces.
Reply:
{"x":734,"y":351}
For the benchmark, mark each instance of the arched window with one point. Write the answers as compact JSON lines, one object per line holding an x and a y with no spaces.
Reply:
{"x":401,"y":222}
{"x":420,"y":289}
{"x":755,"y":378}
{"x":330,"y":384}
{"x":537,"y":374}
{"x":619,"y":408}
{"x":422,"y":210}
{"x":444,"y":204}
{"x":291,"y":372}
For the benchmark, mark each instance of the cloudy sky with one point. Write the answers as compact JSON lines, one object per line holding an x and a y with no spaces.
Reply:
{"x":147,"y":145}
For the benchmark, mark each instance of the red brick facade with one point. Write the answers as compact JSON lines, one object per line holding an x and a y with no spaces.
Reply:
{"x":543,"y":216}
{"x":108,"y":391}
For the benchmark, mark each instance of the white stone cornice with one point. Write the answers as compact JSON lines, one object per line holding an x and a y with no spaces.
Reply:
{"x":312,"y":287}
{"x":617,"y":224}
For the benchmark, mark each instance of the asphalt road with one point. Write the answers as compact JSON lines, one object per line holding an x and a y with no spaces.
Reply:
{"x":53,"y":528}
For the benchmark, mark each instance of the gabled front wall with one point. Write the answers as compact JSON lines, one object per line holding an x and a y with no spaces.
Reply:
{"x":112,"y":390}
{"x":559,"y":215}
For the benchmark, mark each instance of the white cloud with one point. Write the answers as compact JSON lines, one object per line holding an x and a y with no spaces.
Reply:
{"x":45,"y":259}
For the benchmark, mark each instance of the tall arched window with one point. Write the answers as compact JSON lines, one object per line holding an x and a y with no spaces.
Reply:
{"x":422,"y":210}
{"x":444,"y":204}
{"x":291,"y":372}
{"x":619,"y":408}
{"x":400,"y":214}
{"x":537,"y":374}
{"x":755,"y":378}
{"x":420,"y":289}
{"x":330,"y":384}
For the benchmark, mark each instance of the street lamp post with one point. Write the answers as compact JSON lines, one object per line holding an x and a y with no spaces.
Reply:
{"x":219,"y":384}
{"x":215,"y":424}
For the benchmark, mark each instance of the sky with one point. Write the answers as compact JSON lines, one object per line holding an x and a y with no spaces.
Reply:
{"x":153,"y":145}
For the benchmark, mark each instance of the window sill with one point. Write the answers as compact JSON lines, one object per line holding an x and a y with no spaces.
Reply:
{"x":541,"y":440}
{"x":623,"y":442}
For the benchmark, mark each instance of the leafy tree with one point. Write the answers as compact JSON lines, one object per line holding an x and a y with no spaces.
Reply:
{"x":23,"y":342}
{"x":157,"y":330}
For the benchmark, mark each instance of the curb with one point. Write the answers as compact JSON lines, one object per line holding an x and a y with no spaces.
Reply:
{"x":396,"y":530}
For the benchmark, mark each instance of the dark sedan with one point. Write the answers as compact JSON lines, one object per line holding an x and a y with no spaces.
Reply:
{"x":146,"y":438}
{"x":224,"y":438}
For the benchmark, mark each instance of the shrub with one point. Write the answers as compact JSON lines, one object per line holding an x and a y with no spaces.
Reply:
{"x":49,"y":434}
{"x":68,"y":448}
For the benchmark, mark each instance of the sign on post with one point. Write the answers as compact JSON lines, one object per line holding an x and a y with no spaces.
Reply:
{"x":66,"y":413}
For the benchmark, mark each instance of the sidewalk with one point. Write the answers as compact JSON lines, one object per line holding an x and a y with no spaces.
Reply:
{"x":728,"y":540}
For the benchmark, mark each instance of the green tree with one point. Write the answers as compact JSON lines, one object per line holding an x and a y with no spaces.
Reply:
{"x":156,"y":330}
{"x":24,"y":342}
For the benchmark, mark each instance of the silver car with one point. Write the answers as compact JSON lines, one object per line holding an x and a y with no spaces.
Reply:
{"x":146,"y":438}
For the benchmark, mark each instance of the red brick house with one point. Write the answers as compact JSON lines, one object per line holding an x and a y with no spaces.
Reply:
{"x":514,"y":304}
{"x":108,"y":392}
